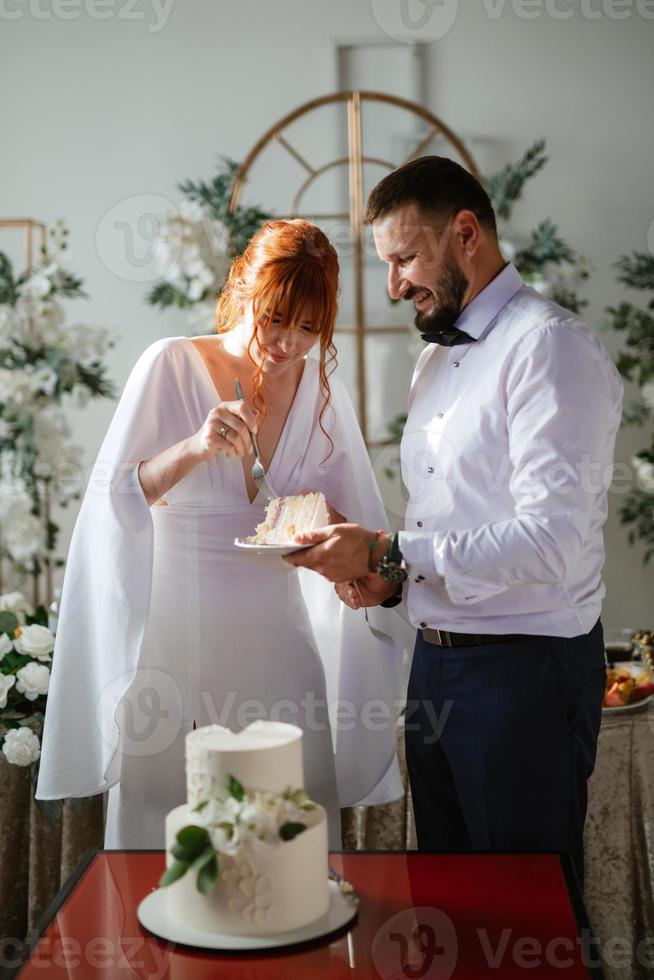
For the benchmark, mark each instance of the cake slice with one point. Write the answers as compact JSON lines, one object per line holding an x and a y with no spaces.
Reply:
{"x":287,"y":516}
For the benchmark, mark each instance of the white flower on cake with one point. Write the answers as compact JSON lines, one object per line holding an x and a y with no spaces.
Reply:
{"x":229,"y":824}
{"x":21,"y":746}
{"x":35,"y":641}
{"x":33,"y":680}
{"x":250,"y":893}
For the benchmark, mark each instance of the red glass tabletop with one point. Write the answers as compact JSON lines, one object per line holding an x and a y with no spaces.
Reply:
{"x":420,"y":916}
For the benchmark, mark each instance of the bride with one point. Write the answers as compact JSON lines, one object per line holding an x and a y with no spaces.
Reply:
{"x":164,"y":623}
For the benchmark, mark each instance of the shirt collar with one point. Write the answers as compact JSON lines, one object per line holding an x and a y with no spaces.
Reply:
{"x":487,"y":304}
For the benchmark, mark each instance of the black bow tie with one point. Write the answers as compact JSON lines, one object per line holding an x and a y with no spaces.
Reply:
{"x":449,"y":337}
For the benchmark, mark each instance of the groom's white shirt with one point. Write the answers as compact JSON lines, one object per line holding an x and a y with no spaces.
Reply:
{"x":507,"y":455}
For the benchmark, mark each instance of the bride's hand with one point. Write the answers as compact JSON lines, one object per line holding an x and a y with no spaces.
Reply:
{"x":226,"y":429}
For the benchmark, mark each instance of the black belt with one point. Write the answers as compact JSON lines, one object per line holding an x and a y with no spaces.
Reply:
{"x":442,"y":638}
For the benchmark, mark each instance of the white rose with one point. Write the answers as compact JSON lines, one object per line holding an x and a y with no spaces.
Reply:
{"x":260,"y":823}
{"x":35,"y":641}
{"x":222,"y":842}
{"x":6,"y":684}
{"x":290,"y":813}
{"x":6,"y":646}
{"x":16,"y":603}
{"x":24,"y":536}
{"x":232,"y":808}
{"x":44,"y":379}
{"x":644,"y":473}
{"x":33,"y":680}
{"x":37,"y":285}
{"x":211,"y":813}
{"x":21,"y":746}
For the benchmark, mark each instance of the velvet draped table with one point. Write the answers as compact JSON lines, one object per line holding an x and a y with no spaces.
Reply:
{"x":37,"y":857}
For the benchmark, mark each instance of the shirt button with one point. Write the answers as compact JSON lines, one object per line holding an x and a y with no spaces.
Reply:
{"x":456,"y":364}
{"x":423,"y":626}
{"x":439,"y":415}
{"x":419,"y":523}
{"x":430,"y":469}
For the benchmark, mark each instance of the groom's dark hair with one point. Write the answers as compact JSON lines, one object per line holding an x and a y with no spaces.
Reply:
{"x":438,"y":186}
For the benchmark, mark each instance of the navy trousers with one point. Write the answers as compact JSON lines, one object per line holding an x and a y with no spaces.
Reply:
{"x":501,"y":740}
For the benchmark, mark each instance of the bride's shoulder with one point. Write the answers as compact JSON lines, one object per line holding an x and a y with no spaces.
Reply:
{"x":163,"y":347}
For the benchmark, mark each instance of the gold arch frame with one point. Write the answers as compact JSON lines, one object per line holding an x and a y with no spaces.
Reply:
{"x":354,"y":161}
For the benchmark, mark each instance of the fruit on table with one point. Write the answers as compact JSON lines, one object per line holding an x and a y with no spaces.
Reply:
{"x":623,"y":688}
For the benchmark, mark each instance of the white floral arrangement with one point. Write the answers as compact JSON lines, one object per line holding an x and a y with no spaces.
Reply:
{"x":192,"y":258}
{"x":227,"y":825}
{"x":46,"y":366}
{"x":26,"y":646}
{"x":197,"y":243}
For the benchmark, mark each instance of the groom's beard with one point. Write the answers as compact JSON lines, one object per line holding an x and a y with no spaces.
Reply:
{"x":448,"y":294}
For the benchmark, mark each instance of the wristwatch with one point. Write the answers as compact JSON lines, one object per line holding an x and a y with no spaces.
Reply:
{"x":392,"y":566}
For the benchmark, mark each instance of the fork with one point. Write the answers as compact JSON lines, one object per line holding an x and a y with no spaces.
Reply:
{"x":378,"y":634}
{"x":259,"y":477}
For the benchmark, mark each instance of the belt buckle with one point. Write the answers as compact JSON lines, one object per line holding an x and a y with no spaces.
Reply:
{"x":442,"y":637}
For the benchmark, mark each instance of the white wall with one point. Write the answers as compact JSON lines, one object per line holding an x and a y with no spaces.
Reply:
{"x":99,"y":111}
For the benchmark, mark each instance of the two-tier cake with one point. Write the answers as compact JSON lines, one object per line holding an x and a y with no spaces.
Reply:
{"x":247,"y":854}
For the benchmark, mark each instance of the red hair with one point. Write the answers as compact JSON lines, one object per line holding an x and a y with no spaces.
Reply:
{"x":288,"y":270}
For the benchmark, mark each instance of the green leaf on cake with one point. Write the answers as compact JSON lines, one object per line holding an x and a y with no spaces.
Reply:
{"x":177,"y":870}
{"x":208,"y":874}
{"x":289,"y":830}
{"x":191,"y":841}
{"x":201,"y":805}
{"x":235,"y":789}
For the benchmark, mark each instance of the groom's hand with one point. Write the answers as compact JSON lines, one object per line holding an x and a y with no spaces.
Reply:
{"x":340,"y":552}
{"x":371,"y":590}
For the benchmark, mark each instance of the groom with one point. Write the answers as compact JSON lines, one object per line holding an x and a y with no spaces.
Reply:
{"x":507,"y":457}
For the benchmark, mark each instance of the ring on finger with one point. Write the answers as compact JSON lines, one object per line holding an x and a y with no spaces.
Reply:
{"x":223,"y":430}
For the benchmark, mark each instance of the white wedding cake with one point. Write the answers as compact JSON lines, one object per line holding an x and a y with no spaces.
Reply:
{"x":247,"y":854}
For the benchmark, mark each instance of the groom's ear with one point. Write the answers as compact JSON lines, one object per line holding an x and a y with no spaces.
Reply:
{"x":466,"y":232}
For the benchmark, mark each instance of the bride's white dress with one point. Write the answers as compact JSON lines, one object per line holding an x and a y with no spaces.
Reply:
{"x":165,"y":623}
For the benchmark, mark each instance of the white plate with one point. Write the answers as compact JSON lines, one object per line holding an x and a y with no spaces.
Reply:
{"x":633,"y":667}
{"x":269,"y":549}
{"x":153,"y":915}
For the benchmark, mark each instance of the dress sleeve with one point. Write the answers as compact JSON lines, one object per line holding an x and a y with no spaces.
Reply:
{"x":365,"y":677}
{"x":107,"y":584}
